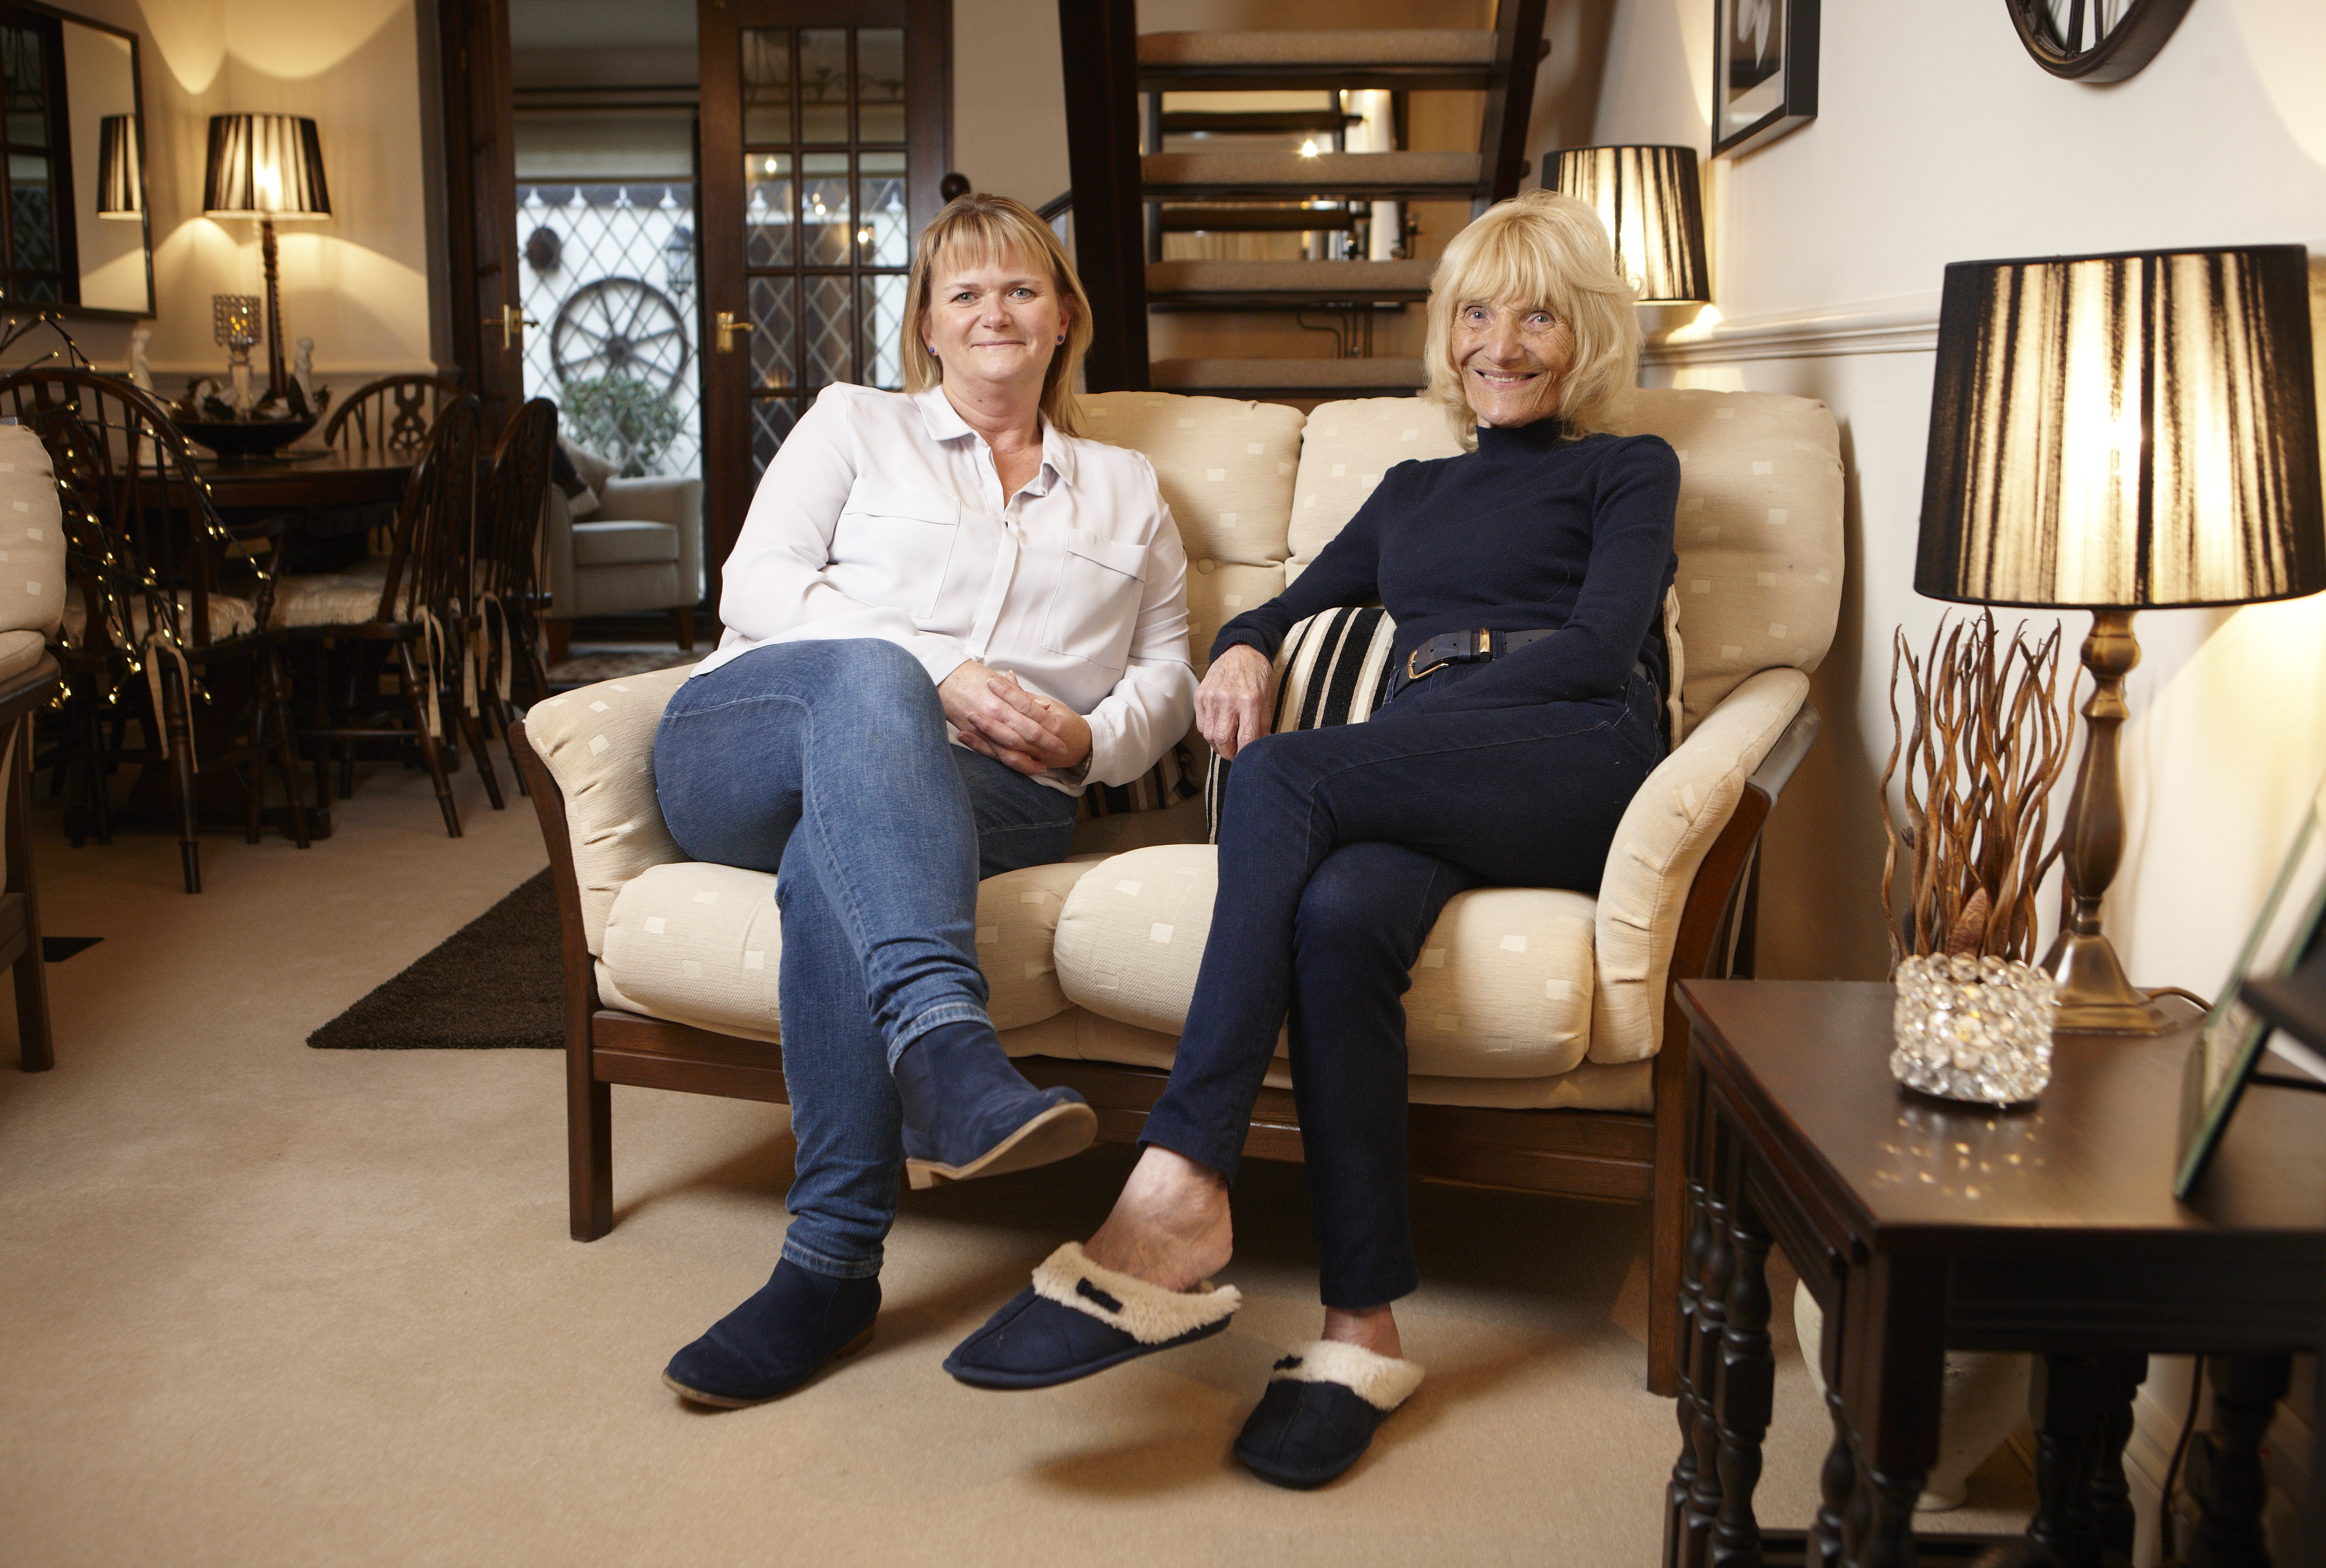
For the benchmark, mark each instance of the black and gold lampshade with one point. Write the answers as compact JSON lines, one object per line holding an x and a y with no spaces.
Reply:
{"x":2116,"y":433}
{"x":120,"y":169}
{"x":268,"y":167}
{"x":1652,"y":204}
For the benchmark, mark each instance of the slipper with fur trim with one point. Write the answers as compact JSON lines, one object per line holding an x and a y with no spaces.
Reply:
{"x":1077,"y":1318}
{"x":1323,"y":1403}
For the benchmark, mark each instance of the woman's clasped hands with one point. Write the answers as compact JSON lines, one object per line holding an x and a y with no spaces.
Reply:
{"x":998,"y":717}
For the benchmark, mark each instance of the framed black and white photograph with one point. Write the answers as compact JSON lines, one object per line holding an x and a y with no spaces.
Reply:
{"x":1763,"y":71}
{"x":2228,"y":1051}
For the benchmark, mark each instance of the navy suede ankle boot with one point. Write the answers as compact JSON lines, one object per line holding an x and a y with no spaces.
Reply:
{"x":775,"y":1341}
{"x":968,"y":1113}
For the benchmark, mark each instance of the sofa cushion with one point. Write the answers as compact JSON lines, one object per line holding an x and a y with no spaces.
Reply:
{"x":1503,"y":988}
{"x":31,"y":534}
{"x":598,"y":744}
{"x":1225,"y":470}
{"x":615,"y":544}
{"x":1758,"y":534}
{"x":1661,"y":841}
{"x":1345,"y":450}
{"x":701,"y":945}
{"x":19,"y":652}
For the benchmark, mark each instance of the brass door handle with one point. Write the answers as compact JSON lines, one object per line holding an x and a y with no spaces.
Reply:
{"x":727,"y":326}
{"x":513,"y":322}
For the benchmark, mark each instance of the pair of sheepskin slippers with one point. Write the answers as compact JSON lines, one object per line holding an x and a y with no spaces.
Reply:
{"x":1322,"y":1406}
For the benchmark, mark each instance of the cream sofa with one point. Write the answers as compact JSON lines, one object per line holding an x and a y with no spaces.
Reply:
{"x":1527,"y":1005}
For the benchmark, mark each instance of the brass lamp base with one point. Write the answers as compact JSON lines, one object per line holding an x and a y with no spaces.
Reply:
{"x":2094,"y":997}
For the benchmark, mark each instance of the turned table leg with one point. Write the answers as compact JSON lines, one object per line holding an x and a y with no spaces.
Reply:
{"x":1681,"y":1549}
{"x":2226,"y":1479}
{"x":1748,"y":1380}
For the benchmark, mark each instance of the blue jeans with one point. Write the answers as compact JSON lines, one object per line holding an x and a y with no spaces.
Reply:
{"x":1338,"y":849}
{"x":826,"y":763}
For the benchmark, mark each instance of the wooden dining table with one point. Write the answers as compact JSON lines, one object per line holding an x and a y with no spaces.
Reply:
{"x":307,"y":481}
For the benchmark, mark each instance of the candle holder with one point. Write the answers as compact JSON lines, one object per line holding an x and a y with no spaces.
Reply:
{"x":1973,"y":1028}
{"x":233,"y":323}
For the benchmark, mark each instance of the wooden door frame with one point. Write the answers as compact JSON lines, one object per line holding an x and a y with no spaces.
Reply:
{"x":727,"y":485}
{"x":472,"y":342}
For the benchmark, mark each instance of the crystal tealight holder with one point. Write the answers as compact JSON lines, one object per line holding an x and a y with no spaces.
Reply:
{"x":1976,"y":1029}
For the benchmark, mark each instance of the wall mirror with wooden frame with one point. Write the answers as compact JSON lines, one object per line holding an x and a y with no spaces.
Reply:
{"x":75,"y":234}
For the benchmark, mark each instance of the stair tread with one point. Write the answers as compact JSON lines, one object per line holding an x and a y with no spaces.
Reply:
{"x":1261,"y":374}
{"x":1321,"y":173}
{"x":1388,"y":46}
{"x":1354,"y":279}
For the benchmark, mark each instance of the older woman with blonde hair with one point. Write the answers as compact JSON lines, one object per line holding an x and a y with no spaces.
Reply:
{"x":1526,"y":578}
{"x":946,"y":613}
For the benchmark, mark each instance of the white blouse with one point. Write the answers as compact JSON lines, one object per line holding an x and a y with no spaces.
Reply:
{"x":882,"y":515}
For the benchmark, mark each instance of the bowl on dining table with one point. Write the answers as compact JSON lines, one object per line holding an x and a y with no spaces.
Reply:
{"x":237,"y":440}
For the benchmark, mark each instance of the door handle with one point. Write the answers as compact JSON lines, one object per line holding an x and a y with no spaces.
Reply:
{"x":513,"y":325}
{"x":727,"y":326}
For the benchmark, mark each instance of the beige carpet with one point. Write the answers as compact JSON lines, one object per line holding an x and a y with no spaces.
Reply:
{"x":264,"y":1304}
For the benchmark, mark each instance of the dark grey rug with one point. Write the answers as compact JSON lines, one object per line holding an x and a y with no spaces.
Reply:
{"x":492,"y":985}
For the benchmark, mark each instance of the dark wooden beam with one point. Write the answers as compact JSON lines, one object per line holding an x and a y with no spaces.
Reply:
{"x":1501,"y":138}
{"x":1099,"y":47}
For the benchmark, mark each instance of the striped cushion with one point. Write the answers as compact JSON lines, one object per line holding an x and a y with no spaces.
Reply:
{"x":1167,"y":784}
{"x":1334,"y":668}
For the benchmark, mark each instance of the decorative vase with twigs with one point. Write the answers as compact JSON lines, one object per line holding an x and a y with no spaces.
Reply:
{"x":1987,"y":742}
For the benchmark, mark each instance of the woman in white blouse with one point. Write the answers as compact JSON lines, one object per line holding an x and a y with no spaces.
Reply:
{"x":945,"y":614}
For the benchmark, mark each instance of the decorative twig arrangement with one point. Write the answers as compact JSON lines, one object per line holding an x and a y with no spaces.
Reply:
{"x":1988,"y":742}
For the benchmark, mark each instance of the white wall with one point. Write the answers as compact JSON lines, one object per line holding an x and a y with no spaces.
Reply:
{"x":357,"y":283}
{"x":1938,"y":140}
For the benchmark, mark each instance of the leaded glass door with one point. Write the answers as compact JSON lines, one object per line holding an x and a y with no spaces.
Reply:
{"x":824,"y":132}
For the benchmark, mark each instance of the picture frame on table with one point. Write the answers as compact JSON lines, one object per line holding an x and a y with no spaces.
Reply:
{"x":2288,"y":936}
{"x":1764,"y":72}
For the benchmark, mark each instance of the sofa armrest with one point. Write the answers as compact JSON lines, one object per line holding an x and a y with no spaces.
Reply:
{"x":598,"y":745}
{"x":675,"y":502}
{"x":1664,"y":837}
{"x":557,"y":550}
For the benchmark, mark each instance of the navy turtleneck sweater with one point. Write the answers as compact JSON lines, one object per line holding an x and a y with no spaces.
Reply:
{"x":1533,"y":530}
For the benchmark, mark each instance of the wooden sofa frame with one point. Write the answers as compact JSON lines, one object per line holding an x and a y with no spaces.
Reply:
{"x":1617,"y":1156}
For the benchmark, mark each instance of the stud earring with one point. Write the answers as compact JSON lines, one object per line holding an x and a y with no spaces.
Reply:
{"x":1062,"y":337}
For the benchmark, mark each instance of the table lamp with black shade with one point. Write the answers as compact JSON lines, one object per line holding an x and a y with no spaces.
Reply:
{"x":120,"y":170}
{"x":269,"y":167}
{"x":2117,"y":433}
{"x":1651,"y":201}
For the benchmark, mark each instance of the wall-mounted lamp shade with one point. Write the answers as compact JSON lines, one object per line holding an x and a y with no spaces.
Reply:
{"x":265,"y":166}
{"x":1650,"y":200}
{"x":120,"y":173}
{"x":2124,"y":430}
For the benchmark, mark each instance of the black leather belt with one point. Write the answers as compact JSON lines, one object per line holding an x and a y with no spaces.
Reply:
{"x":1466,"y":648}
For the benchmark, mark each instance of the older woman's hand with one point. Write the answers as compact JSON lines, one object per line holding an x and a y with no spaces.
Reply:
{"x":998,"y":717}
{"x":1232,"y":705}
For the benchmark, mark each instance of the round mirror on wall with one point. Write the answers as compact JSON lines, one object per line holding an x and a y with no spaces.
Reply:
{"x":2095,"y":40}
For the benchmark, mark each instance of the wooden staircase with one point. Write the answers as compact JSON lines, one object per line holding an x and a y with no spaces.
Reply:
{"x":1132,"y":190}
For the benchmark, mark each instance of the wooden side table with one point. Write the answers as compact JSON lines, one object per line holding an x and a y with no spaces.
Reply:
{"x":1922,"y":1226}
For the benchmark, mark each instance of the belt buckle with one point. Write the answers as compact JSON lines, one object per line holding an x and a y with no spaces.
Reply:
{"x":1412,"y":674}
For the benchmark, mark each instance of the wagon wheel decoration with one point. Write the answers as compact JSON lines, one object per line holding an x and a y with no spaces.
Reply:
{"x":619,"y":327}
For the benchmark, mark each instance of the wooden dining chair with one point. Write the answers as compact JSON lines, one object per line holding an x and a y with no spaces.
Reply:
{"x":393,"y":414}
{"x":346,"y":626}
{"x":168,"y":611}
{"x":505,"y":611}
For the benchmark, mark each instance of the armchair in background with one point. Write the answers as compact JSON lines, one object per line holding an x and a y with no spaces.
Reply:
{"x":613,"y":546}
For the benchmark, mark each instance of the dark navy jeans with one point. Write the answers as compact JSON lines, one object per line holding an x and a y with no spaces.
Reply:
{"x":1338,"y":847}
{"x":826,"y":763}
